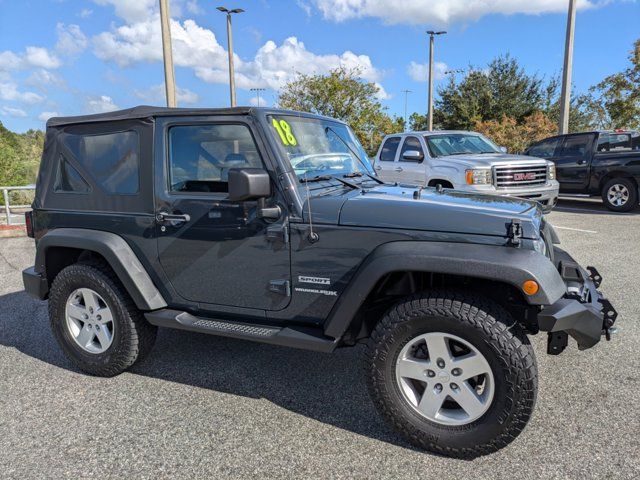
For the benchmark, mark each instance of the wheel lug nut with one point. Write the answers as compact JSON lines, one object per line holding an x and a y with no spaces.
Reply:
{"x":454,"y":386}
{"x":99,"y":317}
{"x":440,"y":363}
{"x":456,"y":372}
{"x":85,"y":316}
{"x":431,"y":373}
{"x":438,"y":388}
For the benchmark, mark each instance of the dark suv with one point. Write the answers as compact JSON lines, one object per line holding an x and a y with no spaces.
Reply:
{"x":269,"y":225}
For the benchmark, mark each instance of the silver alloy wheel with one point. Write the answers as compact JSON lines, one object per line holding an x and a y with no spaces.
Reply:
{"x":445,"y":378}
{"x":89,"y":320}
{"x":618,"y":194}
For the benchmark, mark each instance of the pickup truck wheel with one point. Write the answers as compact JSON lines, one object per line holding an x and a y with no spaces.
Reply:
{"x":95,"y":322}
{"x":452,"y":372}
{"x":620,"y":195}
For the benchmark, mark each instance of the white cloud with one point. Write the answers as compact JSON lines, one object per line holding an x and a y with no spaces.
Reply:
{"x":71,"y":40}
{"x":156,"y":95}
{"x":9,"y":91}
{"x":44,"y":116}
{"x":419,"y":72}
{"x":100,"y":104}
{"x":13,"y":112}
{"x":306,"y":8}
{"x":41,"y":78}
{"x":131,"y":10}
{"x":438,"y":12}
{"x":253,"y":101}
{"x":40,"y":57}
{"x":85,"y":13}
{"x":194,"y":7}
{"x":195,"y":46}
{"x":10,"y":61}
{"x":382,"y":93}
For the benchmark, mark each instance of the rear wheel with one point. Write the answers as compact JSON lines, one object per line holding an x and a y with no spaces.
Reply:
{"x":620,"y":195}
{"x":95,"y":322}
{"x":452,"y":372}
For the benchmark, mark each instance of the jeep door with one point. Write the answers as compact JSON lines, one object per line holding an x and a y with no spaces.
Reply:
{"x":572,"y":161}
{"x":215,"y":251}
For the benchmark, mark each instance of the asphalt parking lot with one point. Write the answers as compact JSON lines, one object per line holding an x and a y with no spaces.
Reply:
{"x":202,"y":406}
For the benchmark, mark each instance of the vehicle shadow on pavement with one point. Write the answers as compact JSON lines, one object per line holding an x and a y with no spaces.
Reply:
{"x":588,"y":207}
{"x":329,"y":388}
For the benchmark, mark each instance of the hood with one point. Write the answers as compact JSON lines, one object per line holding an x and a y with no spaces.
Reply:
{"x":493,"y":159}
{"x":389,"y":206}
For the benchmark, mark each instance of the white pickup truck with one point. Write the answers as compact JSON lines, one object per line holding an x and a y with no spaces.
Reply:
{"x":465,"y":161}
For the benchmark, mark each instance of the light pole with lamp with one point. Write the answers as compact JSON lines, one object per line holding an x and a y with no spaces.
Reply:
{"x":232,"y":81}
{"x":258,"y":90}
{"x":432,"y":35}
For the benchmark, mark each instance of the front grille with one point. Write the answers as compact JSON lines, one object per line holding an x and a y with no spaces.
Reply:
{"x":528,"y":176}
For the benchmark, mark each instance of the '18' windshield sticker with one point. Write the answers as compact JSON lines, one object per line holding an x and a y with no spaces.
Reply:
{"x":284,"y":131}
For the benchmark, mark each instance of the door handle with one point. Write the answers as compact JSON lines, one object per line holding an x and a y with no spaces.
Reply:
{"x":162,"y":217}
{"x":581,"y":161}
{"x":398,"y":169}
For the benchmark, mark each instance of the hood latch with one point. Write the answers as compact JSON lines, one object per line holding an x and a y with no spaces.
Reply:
{"x":514,"y":233}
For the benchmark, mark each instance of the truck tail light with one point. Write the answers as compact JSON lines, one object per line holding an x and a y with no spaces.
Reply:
{"x":28,"y":222}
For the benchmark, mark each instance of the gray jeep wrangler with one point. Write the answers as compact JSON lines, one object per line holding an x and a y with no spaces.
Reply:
{"x":269,"y":225}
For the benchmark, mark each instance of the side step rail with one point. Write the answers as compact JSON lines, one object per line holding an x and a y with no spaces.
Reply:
{"x":299,"y":337}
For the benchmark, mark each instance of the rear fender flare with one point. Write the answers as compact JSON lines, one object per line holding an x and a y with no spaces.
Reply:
{"x":118,"y":254}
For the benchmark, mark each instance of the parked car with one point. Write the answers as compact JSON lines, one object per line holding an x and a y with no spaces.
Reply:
{"x":602,"y":163}
{"x":269,"y":225}
{"x":465,"y":161}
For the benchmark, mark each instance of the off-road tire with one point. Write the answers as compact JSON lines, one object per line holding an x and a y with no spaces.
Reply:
{"x":491,"y":330}
{"x":631,"y":203}
{"x":133,"y":336}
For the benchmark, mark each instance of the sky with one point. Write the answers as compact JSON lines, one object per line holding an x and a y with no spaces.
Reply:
{"x":68,"y":57}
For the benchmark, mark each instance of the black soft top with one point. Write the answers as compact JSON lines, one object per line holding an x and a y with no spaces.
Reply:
{"x":145,"y":111}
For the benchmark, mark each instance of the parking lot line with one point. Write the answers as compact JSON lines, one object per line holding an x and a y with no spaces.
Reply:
{"x":574,"y":229}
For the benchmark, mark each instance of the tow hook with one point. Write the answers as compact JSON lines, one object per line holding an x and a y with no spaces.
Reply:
{"x":610,"y":316}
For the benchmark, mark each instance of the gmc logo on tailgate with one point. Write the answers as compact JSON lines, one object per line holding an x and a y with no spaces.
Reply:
{"x":524,"y":176}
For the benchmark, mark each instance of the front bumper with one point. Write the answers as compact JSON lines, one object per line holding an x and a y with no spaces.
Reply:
{"x":583,"y":312}
{"x":546,"y":195}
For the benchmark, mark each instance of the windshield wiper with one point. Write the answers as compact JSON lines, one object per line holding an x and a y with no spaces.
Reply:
{"x":375,"y":179}
{"x":352,"y":175}
{"x":317,"y":178}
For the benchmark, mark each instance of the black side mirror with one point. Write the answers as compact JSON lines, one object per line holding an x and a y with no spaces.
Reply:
{"x":248,"y":184}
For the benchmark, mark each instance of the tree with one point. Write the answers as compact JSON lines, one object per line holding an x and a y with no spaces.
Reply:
{"x":516,"y":136}
{"x":615,"y":101}
{"x":344,"y":95}
{"x":503,"y":89}
{"x":19,"y":156}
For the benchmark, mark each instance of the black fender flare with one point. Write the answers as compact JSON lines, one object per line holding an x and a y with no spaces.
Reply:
{"x":116,"y":251}
{"x":505,"y":264}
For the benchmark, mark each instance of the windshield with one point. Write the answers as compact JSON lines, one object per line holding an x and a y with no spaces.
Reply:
{"x":316,"y":147}
{"x":458,"y":144}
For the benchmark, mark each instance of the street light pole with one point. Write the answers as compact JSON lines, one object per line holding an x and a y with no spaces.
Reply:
{"x":232,"y":81}
{"x":565,"y":97}
{"x":432,"y":35}
{"x":406,"y":94}
{"x":258,"y":90}
{"x":169,"y":74}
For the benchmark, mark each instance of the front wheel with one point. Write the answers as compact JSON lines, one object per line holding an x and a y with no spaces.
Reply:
{"x":452,"y":372}
{"x":620,"y":195}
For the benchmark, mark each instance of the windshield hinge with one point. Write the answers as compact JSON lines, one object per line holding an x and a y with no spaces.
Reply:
{"x":514,"y":233}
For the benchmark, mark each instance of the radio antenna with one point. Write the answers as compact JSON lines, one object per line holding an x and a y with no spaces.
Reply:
{"x":313,"y":236}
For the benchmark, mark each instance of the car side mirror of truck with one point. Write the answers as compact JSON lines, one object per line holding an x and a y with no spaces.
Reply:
{"x":248,"y":184}
{"x":413,"y":156}
{"x":504,"y":149}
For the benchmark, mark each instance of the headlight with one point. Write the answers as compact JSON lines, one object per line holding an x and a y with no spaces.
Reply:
{"x":479,"y":177}
{"x":552,"y":171}
{"x":540,"y":246}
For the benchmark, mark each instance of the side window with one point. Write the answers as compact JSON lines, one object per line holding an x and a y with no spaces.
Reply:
{"x":411,"y":143}
{"x":201,"y":156}
{"x":575,"y":146}
{"x":619,"y":142}
{"x":68,"y":179}
{"x":112,"y":159}
{"x":389,"y":149}
{"x":545,"y":149}
{"x":603,"y":142}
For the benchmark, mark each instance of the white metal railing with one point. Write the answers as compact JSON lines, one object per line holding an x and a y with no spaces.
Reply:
{"x":7,"y":204}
